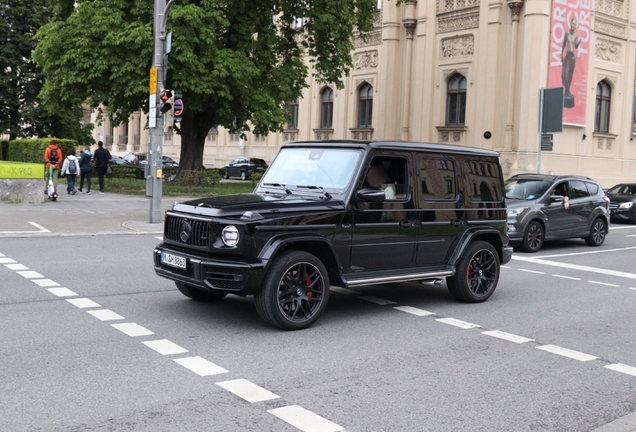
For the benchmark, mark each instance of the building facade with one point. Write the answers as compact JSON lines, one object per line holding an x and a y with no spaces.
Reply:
{"x":468,"y":72}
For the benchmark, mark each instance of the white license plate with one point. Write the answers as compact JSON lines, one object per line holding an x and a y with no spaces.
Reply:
{"x":173,"y":260}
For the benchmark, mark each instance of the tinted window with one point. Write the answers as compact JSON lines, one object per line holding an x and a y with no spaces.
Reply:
{"x":484,"y":179}
{"x":622,"y":190}
{"x":437,"y":179}
{"x":526,"y":189}
{"x":390,"y":174}
{"x":592,"y":188}
{"x":578,"y":189}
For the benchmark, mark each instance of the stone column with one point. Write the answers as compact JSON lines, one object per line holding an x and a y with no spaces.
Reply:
{"x":409,"y":24}
{"x":515,"y":10}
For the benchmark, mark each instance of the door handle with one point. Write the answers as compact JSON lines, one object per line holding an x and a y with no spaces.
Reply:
{"x":406,"y":224}
{"x":456,"y":223}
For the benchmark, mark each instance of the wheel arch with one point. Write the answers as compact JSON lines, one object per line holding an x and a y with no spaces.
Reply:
{"x":490,"y":236}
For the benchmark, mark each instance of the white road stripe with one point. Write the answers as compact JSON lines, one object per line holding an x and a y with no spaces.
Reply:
{"x":61,"y":292}
{"x":566,"y":277}
{"x":16,"y":267}
{"x":343,"y":290}
{"x":619,"y":367}
{"x":247,"y":390}
{"x":304,"y":420}
{"x":30,"y":274}
{"x":618,"y":227}
{"x":132,"y":329}
{"x":567,"y":352}
{"x":40,"y":227}
{"x":45,"y":282}
{"x":505,"y":266}
{"x":604,"y":283}
{"x":165,"y":347}
{"x":414,"y":311}
{"x":200,"y":366}
{"x":507,"y":336}
{"x":531,"y":271}
{"x":633,"y":289}
{"x":577,"y":267}
{"x":631,"y":235}
{"x":83,"y":303}
{"x":105,"y":315}
{"x":6,"y":261}
{"x":585,"y":253}
{"x":1,"y":255}
{"x":159,"y":238}
{"x":457,"y":323}
{"x":377,"y":300}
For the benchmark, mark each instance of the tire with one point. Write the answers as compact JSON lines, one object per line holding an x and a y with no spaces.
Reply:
{"x":533,"y":237}
{"x":477,"y":273}
{"x":227,"y":176}
{"x":598,"y":231}
{"x":198,"y":294}
{"x":243,"y":175}
{"x":288,"y":299}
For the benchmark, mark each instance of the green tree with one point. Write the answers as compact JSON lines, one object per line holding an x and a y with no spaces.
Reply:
{"x":22,"y":114}
{"x":234,"y":61}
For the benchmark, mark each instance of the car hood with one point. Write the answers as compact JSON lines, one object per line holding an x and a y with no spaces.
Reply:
{"x":264,"y":204}
{"x":617,"y":198}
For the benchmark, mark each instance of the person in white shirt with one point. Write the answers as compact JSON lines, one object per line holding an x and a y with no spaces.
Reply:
{"x":70,"y":169}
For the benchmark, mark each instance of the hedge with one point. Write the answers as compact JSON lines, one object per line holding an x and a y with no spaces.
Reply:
{"x":32,"y":150}
{"x":208,"y":177}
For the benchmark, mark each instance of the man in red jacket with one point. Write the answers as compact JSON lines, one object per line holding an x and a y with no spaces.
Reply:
{"x":52,"y":156}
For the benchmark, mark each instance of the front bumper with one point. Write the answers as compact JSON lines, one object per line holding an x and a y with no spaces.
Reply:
{"x":619,"y":214}
{"x":506,"y":256}
{"x":239,"y":276}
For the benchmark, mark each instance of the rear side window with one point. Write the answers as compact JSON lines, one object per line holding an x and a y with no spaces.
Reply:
{"x":592,"y":188}
{"x":484,"y":179}
{"x":578,"y":189}
{"x":437,"y":179}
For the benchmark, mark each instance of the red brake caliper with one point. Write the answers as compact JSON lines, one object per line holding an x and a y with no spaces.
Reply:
{"x":470,"y":272}
{"x":308,"y":283}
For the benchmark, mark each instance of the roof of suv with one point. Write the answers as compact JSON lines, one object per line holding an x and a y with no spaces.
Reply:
{"x":396,"y":145}
{"x":550,"y":177}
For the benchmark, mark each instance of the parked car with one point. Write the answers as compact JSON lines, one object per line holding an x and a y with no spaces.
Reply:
{"x":622,"y":204}
{"x":548,"y":207}
{"x":135,"y":158}
{"x":166,"y":162}
{"x":243,"y":168}
{"x":346,"y":214}
{"x":118,"y":160}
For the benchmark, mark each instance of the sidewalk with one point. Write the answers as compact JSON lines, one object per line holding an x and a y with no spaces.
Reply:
{"x":81,"y":214}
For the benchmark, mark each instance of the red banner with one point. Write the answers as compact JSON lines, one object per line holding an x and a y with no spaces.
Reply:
{"x":569,"y":55}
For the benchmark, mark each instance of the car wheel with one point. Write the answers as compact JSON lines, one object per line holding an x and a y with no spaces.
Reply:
{"x":243,"y":175}
{"x":597,"y":233}
{"x":227,"y":175}
{"x":533,"y":237}
{"x":476,"y":275}
{"x":198,"y":294}
{"x":295,"y":291}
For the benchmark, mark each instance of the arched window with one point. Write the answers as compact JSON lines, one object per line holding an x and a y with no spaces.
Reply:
{"x":456,"y":101}
{"x":365,"y":106}
{"x":293,"y":115}
{"x":603,"y":102}
{"x":326,"y":109}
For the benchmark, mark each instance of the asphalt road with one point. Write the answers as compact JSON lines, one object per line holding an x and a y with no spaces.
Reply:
{"x":559,"y":351}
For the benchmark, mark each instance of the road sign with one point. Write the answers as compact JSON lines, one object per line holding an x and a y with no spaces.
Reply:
{"x":178,"y":107}
{"x":153,"y":80}
{"x":168,"y":43}
{"x":551,"y":110}
{"x":546,"y":142}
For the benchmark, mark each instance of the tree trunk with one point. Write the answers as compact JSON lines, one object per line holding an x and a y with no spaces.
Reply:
{"x":194,"y":130}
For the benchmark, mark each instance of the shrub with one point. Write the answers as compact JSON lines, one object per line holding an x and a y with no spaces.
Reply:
{"x":127,"y":171}
{"x":209,"y":177}
{"x":32,"y":150}
{"x":256,"y":177}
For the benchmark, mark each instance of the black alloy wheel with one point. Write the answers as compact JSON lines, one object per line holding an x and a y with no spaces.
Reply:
{"x":477,"y":273}
{"x":533,"y":237}
{"x":597,"y":233}
{"x":199,"y":294}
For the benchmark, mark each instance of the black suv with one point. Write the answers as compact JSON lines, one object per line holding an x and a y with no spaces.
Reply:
{"x":243,"y":168}
{"x":548,"y":207}
{"x":347,"y":214}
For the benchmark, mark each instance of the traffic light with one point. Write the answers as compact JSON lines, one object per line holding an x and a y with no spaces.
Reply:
{"x":167,"y":107}
{"x":177,"y":108}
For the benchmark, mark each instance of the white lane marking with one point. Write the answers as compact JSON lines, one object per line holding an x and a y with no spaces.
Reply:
{"x":505,"y":266}
{"x":531,"y":271}
{"x":414,"y":311}
{"x":159,"y":238}
{"x":566,"y":277}
{"x":618,"y":227}
{"x":165,"y":347}
{"x":105,"y":315}
{"x":577,"y":267}
{"x":457,"y":323}
{"x":304,"y":420}
{"x":248,"y":390}
{"x":507,"y":336}
{"x":1,"y":255}
{"x":61,"y":292}
{"x":200,"y":366}
{"x":377,"y":300}
{"x":633,"y":289}
{"x":44,"y":283}
{"x":16,"y":266}
{"x":604,"y":283}
{"x":343,"y":290}
{"x":132,"y":329}
{"x":619,"y":367}
{"x":567,"y":353}
{"x":83,"y":303}
{"x":586,"y":253}
{"x":40,"y":227}
{"x":6,"y":261}
{"x":631,"y":235}
{"x":30,"y":274}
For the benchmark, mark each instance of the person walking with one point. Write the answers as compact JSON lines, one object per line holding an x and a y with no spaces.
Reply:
{"x":102,"y":158}
{"x":52,"y":156}
{"x":86,"y":170}
{"x":70,"y":169}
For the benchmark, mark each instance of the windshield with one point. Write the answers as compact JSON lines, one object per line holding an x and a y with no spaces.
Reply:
{"x":526,"y":189}
{"x":330,"y":169}
{"x":622,"y":190}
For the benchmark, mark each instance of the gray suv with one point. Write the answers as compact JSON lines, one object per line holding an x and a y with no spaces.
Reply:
{"x":548,"y":207}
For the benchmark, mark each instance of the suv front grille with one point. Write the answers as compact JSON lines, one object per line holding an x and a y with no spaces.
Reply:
{"x":198,"y":235}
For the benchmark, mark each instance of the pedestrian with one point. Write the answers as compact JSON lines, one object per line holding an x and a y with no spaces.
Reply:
{"x":101,"y":158}
{"x":86,"y":170}
{"x":70,"y":169}
{"x":52,"y":156}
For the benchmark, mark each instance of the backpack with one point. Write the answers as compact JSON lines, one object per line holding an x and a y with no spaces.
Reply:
{"x":72,"y":166}
{"x":53,"y":156}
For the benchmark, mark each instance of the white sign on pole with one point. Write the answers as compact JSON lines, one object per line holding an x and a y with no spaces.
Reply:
{"x":152,"y":111}
{"x":168,"y":43}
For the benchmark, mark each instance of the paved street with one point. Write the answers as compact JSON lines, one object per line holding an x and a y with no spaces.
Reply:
{"x":91,"y":339}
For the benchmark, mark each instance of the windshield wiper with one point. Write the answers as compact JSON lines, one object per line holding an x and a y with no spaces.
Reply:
{"x":279,"y":185}
{"x":326,"y":194}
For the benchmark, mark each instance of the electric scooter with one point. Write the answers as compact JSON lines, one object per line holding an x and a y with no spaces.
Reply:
{"x":50,"y":190}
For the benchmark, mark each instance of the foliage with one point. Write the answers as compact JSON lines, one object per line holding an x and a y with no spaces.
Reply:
{"x":256,"y":177}
{"x":31,"y":150}
{"x":127,"y":171}
{"x":234,"y":61}
{"x":208,"y":177}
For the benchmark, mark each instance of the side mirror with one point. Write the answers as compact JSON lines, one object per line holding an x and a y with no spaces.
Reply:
{"x":556,"y":199}
{"x":370,"y":195}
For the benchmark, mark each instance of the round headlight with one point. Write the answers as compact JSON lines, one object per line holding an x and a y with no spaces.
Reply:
{"x":230,"y":236}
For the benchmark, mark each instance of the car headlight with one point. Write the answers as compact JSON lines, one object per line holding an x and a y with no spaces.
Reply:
{"x":626,"y":205}
{"x":516,"y":211}
{"x":230,"y":236}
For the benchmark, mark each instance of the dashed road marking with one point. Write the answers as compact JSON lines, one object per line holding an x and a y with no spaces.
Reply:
{"x":159,"y":238}
{"x":343,"y":290}
{"x":566,"y":277}
{"x":576,"y":267}
{"x":105,"y":315}
{"x":165,"y":347}
{"x":45,"y":282}
{"x":304,"y":420}
{"x":507,"y":336}
{"x":619,"y":367}
{"x":200,"y":366}
{"x":531,"y":271}
{"x":505,"y":266}
{"x":83,"y":303}
{"x":30,"y":274}
{"x":414,"y":311}
{"x":377,"y":300}
{"x":62,"y":292}
{"x":248,"y":390}
{"x":16,"y":267}
{"x":133,"y":329}
{"x":457,"y":323}
{"x":6,"y":261}
{"x":567,"y":353}
{"x":605,"y":284}
{"x":1,"y":254}
{"x":634,"y":289}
